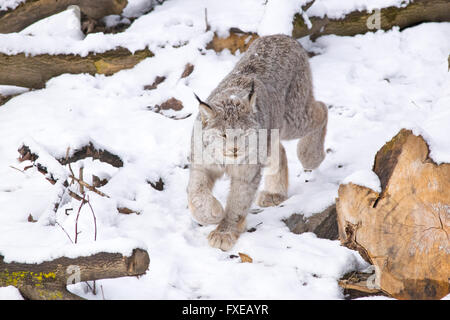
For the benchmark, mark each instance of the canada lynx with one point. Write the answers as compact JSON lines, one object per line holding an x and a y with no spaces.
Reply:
{"x":269,"y":90}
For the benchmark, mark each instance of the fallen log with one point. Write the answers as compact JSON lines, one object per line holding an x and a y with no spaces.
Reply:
{"x":31,"y":11}
{"x":87,"y":151}
{"x":48,"y":280}
{"x":404,"y":230}
{"x":34,"y":71}
{"x":358,"y":22}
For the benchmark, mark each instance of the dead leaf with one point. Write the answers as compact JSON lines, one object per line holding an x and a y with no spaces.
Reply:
{"x":125,"y":210}
{"x":187,"y":70}
{"x":245,"y":258}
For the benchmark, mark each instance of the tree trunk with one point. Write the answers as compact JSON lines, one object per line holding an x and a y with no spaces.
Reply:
{"x":404,"y":231}
{"x":34,"y":71}
{"x":33,"y":10}
{"x":48,"y":280}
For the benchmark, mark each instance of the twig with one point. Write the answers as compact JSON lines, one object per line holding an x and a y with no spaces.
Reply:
{"x":83,"y":201}
{"x":208,"y":27}
{"x":74,"y":195}
{"x":308,"y":5}
{"x":57,"y":204}
{"x":67,"y":153}
{"x":81,"y":179}
{"x":93,"y":189}
{"x":64,"y":231}
{"x":93,"y":288}
{"x":73,"y":174}
{"x":23,"y":171}
{"x":103,"y":295}
{"x":95,"y":219}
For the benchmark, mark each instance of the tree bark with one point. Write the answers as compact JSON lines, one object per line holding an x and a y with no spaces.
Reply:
{"x":34,"y":71}
{"x":48,"y":280}
{"x":356,"y":22}
{"x":31,"y":11}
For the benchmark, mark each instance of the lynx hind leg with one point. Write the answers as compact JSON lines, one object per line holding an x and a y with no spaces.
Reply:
{"x":205,"y":208}
{"x":275,"y":181}
{"x":310,"y":148}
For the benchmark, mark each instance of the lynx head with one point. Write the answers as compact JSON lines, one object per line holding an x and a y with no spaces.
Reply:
{"x":227,"y":125}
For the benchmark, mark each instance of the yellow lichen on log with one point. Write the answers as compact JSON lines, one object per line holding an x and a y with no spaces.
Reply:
{"x":34,"y":71}
{"x":48,"y":279}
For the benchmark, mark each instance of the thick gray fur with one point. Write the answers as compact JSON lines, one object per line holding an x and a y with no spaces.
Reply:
{"x":278,"y":68}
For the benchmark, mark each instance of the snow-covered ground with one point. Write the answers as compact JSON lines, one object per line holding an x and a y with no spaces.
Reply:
{"x":374,"y":84}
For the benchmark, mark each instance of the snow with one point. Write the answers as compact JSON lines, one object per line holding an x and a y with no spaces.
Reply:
{"x":336,"y":9}
{"x":9,"y":4}
{"x":63,"y":24}
{"x":10,"y":293}
{"x":136,"y":8}
{"x":278,"y":16}
{"x":365,"y":178}
{"x":30,"y":254}
{"x":374,"y":85}
{"x":174,"y":24}
{"x":10,"y":90}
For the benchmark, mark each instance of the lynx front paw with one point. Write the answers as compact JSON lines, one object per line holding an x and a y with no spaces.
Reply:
{"x":224,"y":240}
{"x":206,"y":209}
{"x":267,"y":199}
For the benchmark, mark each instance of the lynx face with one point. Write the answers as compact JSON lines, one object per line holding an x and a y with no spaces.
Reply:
{"x":230,"y":146}
{"x":230,"y":130}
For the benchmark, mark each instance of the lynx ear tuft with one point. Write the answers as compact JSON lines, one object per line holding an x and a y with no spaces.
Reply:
{"x":206,"y":111}
{"x":252,"y":98}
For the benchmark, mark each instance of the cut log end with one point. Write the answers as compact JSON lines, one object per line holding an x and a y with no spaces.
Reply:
{"x":404,"y":231}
